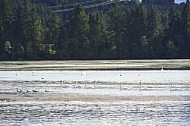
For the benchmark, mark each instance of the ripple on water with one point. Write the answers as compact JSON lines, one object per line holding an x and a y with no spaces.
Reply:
{"x":131,"y":113}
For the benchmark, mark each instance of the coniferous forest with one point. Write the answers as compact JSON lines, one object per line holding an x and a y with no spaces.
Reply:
{"x":94,"y":29}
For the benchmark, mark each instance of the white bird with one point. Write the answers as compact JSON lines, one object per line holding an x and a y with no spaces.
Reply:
{"x":18,"y":90}
{"x":162,"y":69}
{"x":85,"y":85}
{"x":94,"y":84}
{"x":83,"y":73}
{"x":33,"y":74}
{"x":75,"y":84}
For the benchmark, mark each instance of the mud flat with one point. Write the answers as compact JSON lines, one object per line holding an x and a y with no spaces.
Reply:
{"x":16,"y":97}
{"x":177,"y":64}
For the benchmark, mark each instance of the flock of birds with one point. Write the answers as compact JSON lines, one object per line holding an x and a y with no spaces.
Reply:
{"x":22,"y":91}
{"x":28,"y":91}
{"x":75,"y":86}
{"x":36,"y":91}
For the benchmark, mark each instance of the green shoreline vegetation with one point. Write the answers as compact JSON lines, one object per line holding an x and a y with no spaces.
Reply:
{"x":104,"y":29}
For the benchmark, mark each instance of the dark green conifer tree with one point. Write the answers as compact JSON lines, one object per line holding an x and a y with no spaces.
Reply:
{"x":28,"y":30}
{"x":173,"y":40}
{"x":155,"y":33}
{"x":79,"y":45}
{"x":96,"y":35}
{"x":23,"y":44}
{"x":5,"y":26}
{"x":138,"y":32}
{"x":54,"y":30}
{"x":116,"y":25}
{"x":186,"y":28}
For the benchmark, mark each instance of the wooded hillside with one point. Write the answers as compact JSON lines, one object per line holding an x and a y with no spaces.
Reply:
{"x":94,"y":29}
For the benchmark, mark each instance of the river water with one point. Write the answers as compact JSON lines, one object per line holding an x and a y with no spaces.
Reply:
{"x":101,"y":114}
{"x":113,"y":83}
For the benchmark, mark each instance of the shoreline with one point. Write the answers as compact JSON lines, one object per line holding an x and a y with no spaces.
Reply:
{"x":170,"y":64}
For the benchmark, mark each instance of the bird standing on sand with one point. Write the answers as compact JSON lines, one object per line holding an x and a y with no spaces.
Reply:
{"x":83,"y":73}
{"x":18,"y":90}
{"x":47,"y":91}
{"x":33,"y":74}
{"x":34,"y":91}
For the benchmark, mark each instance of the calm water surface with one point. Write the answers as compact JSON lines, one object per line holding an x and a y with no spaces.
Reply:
{"x":155,"y":76}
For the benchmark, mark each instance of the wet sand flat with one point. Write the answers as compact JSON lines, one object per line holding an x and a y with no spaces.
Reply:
{"x":15,"y":97}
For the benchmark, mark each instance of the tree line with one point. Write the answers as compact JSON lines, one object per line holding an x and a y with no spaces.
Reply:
{"x":30,"y":30}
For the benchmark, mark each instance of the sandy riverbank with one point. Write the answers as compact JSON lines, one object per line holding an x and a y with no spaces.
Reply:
{"x":17,"y":97}
{"x":96,"y":65}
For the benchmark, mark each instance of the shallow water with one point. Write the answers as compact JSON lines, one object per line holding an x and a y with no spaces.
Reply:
{"x":98,"y":89}
{"x":166,"y":76}
{"x":117,"y":83}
